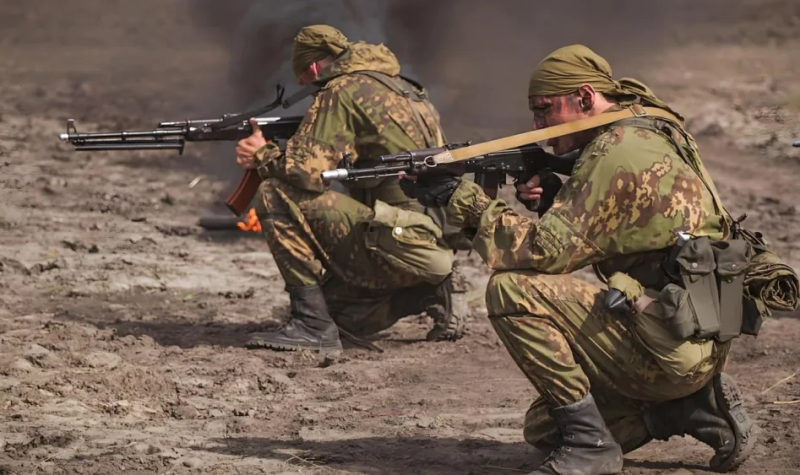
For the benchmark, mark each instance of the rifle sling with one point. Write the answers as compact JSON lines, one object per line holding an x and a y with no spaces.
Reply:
{"x":513,"y":141}
{"x":301,"y":94}
{"x":279,"y":102}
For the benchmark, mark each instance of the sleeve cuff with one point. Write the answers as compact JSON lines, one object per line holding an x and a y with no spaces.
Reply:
{"x":265,"y":158}
{"x":268,"y":152}
{"x":467,"y":205}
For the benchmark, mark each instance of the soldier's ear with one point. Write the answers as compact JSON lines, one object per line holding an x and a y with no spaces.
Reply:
{"x":586,"y":94}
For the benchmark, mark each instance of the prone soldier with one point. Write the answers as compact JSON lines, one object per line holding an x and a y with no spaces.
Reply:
{"x":358,"y":261}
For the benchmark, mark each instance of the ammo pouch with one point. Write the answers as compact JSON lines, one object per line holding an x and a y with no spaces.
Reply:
{"x":704,"y":299}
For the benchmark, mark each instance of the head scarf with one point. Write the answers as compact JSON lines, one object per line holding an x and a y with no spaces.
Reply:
{"x":314,"y":43}
{"x":566,"y":69}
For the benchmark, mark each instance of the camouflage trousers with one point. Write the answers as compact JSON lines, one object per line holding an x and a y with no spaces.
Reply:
{"x":567,"y":344}
{"x":375,"y":265}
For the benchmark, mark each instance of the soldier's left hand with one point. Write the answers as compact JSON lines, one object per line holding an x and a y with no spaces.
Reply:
{"x":247,"y":147}
{"x":432,"y":190}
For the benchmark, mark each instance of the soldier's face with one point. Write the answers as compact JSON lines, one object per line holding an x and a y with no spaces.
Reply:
{"x":554,"y":110}
{"x":309,"y":75}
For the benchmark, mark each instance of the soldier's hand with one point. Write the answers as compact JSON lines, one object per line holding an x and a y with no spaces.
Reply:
{"x":247,"y":147}
{"x":431,"y":190}
{"x":530,"y":190}
{"x":539,"y":193}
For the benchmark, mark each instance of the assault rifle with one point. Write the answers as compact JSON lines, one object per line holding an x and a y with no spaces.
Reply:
{"x":490,"y":170}
{"x":174,"y":135}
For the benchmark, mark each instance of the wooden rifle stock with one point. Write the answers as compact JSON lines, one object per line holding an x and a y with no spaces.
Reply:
{"x":240,"y":198}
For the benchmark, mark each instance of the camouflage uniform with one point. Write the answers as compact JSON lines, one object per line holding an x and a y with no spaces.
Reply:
{"x":375,"y":253}
{"x":629,"y":193}
{"x":611,"y":381}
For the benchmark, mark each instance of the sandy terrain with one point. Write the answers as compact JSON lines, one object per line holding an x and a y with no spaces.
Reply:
{"x":122,"y":321}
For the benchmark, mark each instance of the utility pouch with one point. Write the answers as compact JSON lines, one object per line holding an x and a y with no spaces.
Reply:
{"x":754,"y":312}
{"x":693,"y":308}
{"x":705,"y":299}
{"x":733,"y":258}
{"x":678,"y":312}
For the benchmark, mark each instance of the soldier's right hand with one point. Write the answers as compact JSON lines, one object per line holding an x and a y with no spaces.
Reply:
{"x":530,"y":190}
{"x":247,"y":147}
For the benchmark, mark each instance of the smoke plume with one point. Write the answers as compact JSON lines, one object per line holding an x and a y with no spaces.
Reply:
{"x":474,"y":56}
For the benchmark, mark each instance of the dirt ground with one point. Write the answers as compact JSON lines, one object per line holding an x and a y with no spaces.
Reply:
{"x":122,"y":321}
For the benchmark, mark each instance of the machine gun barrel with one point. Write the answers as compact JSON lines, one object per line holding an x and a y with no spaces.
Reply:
{"x":124,"y":135}
{"x":132,"y":145}
{"x":172,"y":135}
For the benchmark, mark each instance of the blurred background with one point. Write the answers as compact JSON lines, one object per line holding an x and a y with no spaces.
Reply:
{"x":119,"y":63}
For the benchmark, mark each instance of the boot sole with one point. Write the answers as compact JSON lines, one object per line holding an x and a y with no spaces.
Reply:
{"x":731,"y":402}
{"x":323,"y":349}
{"x":444,"y":335}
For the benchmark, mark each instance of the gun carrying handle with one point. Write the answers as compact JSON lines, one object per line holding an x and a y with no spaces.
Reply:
{"x":240,"y":198}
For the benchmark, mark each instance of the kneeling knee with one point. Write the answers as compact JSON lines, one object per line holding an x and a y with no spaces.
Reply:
{"x":271,"y":199}
{"x":505,"y":292}
{"x":269,"y":186}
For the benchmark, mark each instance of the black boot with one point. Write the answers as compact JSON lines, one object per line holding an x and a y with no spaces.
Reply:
{"x":310,"y":326}
{"x":586,"y":446}
{"x":448,"y":311}
{"x":713,"y":415}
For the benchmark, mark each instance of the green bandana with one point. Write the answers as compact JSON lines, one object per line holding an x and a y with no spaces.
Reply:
{"x":566,"y":69}
{"x":314,"y":43}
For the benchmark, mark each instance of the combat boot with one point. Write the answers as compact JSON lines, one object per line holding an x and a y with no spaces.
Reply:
{"x":713,"y":415}
{"x":586,"y":446}
{"x":448,"y":311}
{"x":310,"y":326}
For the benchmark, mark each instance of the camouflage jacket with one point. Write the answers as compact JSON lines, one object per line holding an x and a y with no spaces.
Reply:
{"x":356,"y":113}
{"x":630,"y":193}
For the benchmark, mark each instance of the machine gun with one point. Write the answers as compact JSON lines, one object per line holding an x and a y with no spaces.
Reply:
{"x":174,"y":135}
{"x":490,"y":170}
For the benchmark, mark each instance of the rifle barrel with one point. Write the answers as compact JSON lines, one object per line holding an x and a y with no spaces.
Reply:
{"x":355,"y":173}
{"x":155,"y":134}
{"x":152,"y":145}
